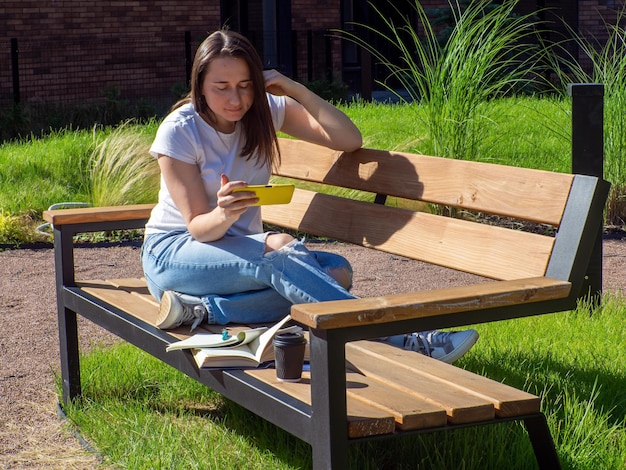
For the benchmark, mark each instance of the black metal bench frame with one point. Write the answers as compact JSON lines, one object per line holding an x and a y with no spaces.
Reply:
{"x":323,"y":424}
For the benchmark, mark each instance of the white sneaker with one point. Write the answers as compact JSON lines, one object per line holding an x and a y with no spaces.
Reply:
{"x":441,"y":345}
{"x":179,"y":309}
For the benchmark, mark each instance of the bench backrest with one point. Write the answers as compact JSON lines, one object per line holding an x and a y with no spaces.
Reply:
{"x":572,"y":204}
{"x":562,"y":201}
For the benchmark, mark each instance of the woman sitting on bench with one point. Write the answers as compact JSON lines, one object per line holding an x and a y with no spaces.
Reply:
{"x":205,"y":255}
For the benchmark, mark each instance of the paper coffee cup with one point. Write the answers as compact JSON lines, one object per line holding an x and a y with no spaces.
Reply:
{"x":289,"y":356}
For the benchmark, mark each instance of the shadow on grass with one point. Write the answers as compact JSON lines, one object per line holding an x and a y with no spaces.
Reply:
{"x":547,"y":377}
{"x":506,"y":445}
{"x":147,"y":381}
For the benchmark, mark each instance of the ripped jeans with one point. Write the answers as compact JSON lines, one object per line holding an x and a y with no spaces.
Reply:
{"x":236,"y":281}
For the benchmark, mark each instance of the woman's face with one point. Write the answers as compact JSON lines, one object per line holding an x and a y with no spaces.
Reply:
{"x":228,"y":91}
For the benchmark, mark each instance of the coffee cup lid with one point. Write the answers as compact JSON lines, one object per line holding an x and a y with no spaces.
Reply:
{"x":289,"y":338}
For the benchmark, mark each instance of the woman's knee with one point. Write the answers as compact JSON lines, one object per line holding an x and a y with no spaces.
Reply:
{"x":275,"y":241}
{"x":343,"y":275}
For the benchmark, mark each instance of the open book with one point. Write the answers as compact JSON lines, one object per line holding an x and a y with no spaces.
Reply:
{"x":249,"y":348}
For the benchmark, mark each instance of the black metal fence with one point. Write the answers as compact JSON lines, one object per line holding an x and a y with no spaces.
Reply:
{"x":131,"y":66}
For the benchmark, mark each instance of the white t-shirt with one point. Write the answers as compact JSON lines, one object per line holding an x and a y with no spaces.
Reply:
{"x":185,"y":136}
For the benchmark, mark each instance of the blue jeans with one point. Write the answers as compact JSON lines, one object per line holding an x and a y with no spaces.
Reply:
{"x":236,"y":281}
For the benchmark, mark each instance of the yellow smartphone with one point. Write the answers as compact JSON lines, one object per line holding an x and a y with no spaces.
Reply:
{"x":269,"y":193}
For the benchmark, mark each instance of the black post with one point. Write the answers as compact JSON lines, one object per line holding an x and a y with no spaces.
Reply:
{"x":16,"y":71}
{"x":366,"y":75}
{"x":188,"y":58}
{"x":328,"y":46}
{"x":244,"y":27}
{"x":309,"y":55}
{"x":294,"y":55}
{"x":67,"y":320}
{"x":284,"y":37}
{"x":588,"y":159}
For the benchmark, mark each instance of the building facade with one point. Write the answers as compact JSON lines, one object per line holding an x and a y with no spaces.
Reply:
{"x":79,"y":50}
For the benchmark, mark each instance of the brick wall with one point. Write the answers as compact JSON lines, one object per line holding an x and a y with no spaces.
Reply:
{"x":318,"y":17}
{"x":79,"y":50}
{"x":594,"y":16}
{"x":74,"y":50}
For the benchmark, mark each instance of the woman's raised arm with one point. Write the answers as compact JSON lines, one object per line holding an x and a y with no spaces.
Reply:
{"x":311,"y":118}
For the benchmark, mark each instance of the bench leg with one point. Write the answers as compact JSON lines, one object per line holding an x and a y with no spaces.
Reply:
{"x":541,"y":439}
{"x":68,"y":328}
{"x":70,"y":362}
{"x":329,"y":440}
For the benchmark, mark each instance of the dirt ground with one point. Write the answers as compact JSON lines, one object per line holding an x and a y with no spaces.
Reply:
{"x":31,"y":433}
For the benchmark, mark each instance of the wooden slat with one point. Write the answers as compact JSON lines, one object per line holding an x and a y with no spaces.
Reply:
{"x":523,"y":193}
{"x":409,"y":411}
{"x":363,"y":420}
{"x":437,"y":302}
{"x":485,"y":250}
{"x":140,"y":306}
{"x":460,"y":405}
{"x":133,"y":285}
{"x":131,"y":295}
{"x":403,"y":398}
{"x":98,"y":214}
{"x":375,"y":359}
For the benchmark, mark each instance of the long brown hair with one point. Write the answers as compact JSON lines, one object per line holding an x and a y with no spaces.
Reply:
{"x":258,"y":128}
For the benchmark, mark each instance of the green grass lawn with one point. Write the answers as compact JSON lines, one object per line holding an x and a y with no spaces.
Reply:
{"x":37,"y":173}
{"x":526,"y":132}
{"x":141,"y":413}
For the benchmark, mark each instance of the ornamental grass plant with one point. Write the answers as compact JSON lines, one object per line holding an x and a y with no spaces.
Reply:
{"x":607,"y":57}
{"x":121,"y":170}
{"x":489,"y":53}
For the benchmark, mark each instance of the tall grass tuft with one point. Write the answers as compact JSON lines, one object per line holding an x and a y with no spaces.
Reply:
{"x":490,"y":52}
{"x":121,"y":170}
{"x":608,"y":66}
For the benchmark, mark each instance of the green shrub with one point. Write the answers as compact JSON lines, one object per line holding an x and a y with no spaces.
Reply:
{"x":332,"y":91}
{"x":17,"y":229}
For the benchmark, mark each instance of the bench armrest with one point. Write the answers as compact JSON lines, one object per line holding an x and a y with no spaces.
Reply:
{"x":398,"y":307}
{"x":97,"y":214}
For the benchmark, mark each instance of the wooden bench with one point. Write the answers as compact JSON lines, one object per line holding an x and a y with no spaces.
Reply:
{"x":360,"y":389}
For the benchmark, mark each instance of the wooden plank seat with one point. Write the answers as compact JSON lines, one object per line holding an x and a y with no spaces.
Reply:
{"x":529,"y":234}
{"x":431,"y":394}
